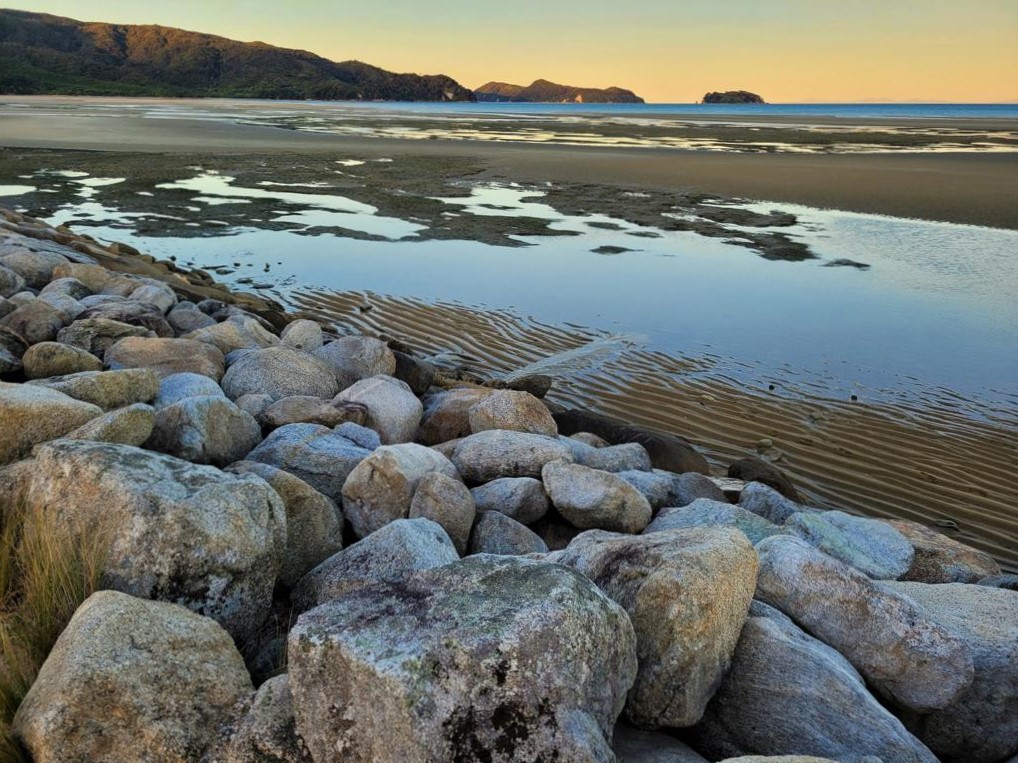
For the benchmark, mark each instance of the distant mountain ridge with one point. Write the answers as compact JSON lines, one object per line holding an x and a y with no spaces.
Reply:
{"x":43,"y":54}
{"x":543,"y":91}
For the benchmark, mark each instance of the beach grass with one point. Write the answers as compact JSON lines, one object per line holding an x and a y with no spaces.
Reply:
{"x":44,"y":577}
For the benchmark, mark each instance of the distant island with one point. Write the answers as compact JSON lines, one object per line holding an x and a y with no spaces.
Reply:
{"x":543,"y":91}
{"x":733,"y":96}
{"x":43,"y":54}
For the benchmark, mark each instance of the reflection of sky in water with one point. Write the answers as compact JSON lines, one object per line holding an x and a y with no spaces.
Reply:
{"x":937,"y":304}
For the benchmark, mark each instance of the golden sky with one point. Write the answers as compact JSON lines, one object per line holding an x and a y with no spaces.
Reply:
{"x":665,"y":50}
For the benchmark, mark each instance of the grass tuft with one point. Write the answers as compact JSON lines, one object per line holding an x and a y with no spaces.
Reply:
{"x":44,"y":576}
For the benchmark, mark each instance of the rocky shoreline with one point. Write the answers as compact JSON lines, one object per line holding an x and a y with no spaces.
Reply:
{"x":318,"y":547}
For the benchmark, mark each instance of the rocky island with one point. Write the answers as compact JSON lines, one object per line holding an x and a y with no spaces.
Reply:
{"x":733,"y":96}
{"x":51,"y":55}
{"x":543,"y":91}
{"x":292,"y":543}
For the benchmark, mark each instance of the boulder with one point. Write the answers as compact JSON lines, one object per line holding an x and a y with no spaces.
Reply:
{"x":279,"y":372}
{"x":593,"y":441}
{"x":940,"y":559}
{"x":30,"y":415}
{"x":177,"y":387}
{"x":704,"y":512}
{"x":133,"y":313}
{"x":981,"y":725}
{"x":10,"y":282}
{"x":419,"y":375}
{"x":68,"y":287}
{"x":354,"y":358}
{"x":35,"y":267}
{"x":390,"y":555}
{"x":319,"y":456}
{"x":634,"y":745}
{"x":380,"y":488}
{"x":36,"y":321}
{"x":166,"y":356}
{"x":237,"y":332}
{"x":314,"y":524}
{"x":303,"y":335}
{"x":132,"y":681}
{"x":361,"y":435}
{"x":687,"y":593}
{"x":178,"y":532}
{"x":515,"y":411}
{"x":55,"y":359}
{"x":97,"y":335}
{"x":185,"y":317}
{"x":655,"y":486}
{"x":158,"y":294}
{"x":447,"y":414}
{"x":107,"y":389}
{"x":1007,"y":581}
{"x":903,"y":654}
{"x":495,"y":533}
{"x":870,"y":545}
{"x":686,"y":488}
{"x":787,"y":693}
{"x":95,"y":277}
{"x":769,"y":503}
{"x":256,"y":405}
{"x":487,"y":456}
{"x":393,"y":410}
{"x":757,"y":470}
{"x":612,"y":458}
{"x":446,"y":501}
{"x":265,"y":733}
{"x":522,"y":498}
{"x":205,"y":430}
{"x":303,"y":409}
{"x":464,"y":663}
{"x":592,"y":499}
{"x":131,"y":425}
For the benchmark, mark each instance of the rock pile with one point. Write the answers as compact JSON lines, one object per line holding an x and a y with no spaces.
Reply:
{"x":316,"y":557}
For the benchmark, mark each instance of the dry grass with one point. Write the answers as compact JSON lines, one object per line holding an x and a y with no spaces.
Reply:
{"x":44,"y":576}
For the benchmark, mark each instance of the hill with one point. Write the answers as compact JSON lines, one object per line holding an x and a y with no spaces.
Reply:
{"x":43,"y":54}
{"x":543,"y":91}
{"x":733,"y":96}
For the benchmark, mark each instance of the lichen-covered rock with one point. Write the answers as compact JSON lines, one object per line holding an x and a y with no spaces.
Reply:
{"x":464,"y":662}
{"x":522,"y":498}
{"x":940,"y":559}
{"x":132,"y":681}
{"x":55,"y":359}
{"x":380,"y":488}
{"x":266,"y":733}
{"x":303,"y":335}
{"x":131,"y":425}
{"x":487,"y":456}
{"x":904,"y":655}
{"x":353,"y":358}
{"x":390,"y":555}
{"x":177,"y":532}
{"x":205,"y":430}
{"x":516,"y":411}
{"x":981,"y":725}
{"x":321,"y":457}
{"x":304,"y":409}
{"x":871,"y":546}
{"x":447,"y":414}
{"x":787,"y":693}
{"x":167,"y":356}
{"x":238,"y":332}
{"x":687,"y":593}
{"x":592,"y":499}
{"x":393,"y":409}
{"x":279,"y":372}
{"x":97,"y":335}
{"x":768,"y":503}
{"x":177,"y":387}
{"x":446,"y":501}
{"x":627,"y":457}
{"x":314,"y":524}
{"x":495,"y":533}
{"x":107,"y":389}
{"x":704,"y":512}
{"x":634,"y":745}
{"x":30,"y":415}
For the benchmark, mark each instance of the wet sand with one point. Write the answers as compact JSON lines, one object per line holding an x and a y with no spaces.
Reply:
{"x":930,"y":465}
{"x":977,"y":189}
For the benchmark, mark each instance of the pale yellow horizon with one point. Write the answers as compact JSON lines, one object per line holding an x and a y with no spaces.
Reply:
{"x":788,"y":51}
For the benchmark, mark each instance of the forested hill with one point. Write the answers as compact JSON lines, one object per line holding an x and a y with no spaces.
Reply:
{"x":42,"y":54}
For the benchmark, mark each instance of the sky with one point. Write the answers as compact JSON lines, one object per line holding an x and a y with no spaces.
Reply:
{"x":788,"y":51}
